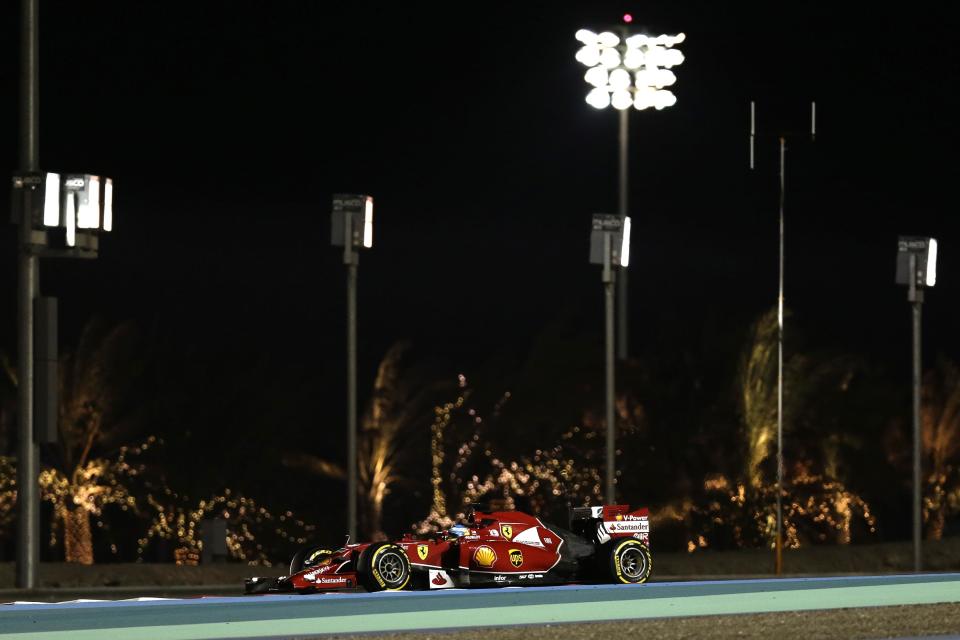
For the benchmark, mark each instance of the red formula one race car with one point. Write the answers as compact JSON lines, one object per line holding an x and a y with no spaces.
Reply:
{"x":493,"y":549}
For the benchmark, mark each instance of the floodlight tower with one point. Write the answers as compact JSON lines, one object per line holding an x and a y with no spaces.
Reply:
{"x":610,"y":247}
{"x":56,"y":219}
{"x":351,"y":227}
{"x":916,"y":268}
{"x":628,"y":71}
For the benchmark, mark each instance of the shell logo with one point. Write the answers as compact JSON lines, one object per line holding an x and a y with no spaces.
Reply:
{"x":484,"y":557}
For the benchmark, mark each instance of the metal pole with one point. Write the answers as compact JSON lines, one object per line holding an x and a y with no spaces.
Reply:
{"x":351,"y":258}
{"x":609,"y":276}
{"x":916,"y":299}
{"x":29,"y":86}
{"x":622,"y":313}
{"x":28,"y":453}
{"x":779,"y":544}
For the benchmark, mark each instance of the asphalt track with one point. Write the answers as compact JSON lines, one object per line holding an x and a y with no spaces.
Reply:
{"x":290,"y":615}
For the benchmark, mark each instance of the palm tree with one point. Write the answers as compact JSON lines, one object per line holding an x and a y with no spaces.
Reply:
{"x":758,"y":394}
{"x":940,"y":435}
{"x":395,"y":422}
{"x":813,"y":443}
{"x":809,"y":382}
{"x":87,"y":468}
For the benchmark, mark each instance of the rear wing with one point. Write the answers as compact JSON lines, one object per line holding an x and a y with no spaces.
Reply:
{"x":603,"y":523}
{"x":605,"y":512}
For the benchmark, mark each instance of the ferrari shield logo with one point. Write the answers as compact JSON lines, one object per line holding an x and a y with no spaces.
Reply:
{"x":516,"y":557}
{"x":507,"y":531}
{"x":422,"y":551}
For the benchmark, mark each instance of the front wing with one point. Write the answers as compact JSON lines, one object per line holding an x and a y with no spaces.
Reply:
{"x":303,"y":582}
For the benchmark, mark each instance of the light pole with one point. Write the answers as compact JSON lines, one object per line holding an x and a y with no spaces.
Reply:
{"x":28,"y":453}
{"x":916,"y":268}
{"x":782,"y":139}
{"x":56,"y":219}
{"x":610,"y":247}
{"x":351,"y":227}
{"x":628,"y":70}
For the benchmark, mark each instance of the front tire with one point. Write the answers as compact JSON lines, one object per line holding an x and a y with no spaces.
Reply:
{"x":629,"y":562}
{"x":383,"y":567}
{"x":307,"y":557}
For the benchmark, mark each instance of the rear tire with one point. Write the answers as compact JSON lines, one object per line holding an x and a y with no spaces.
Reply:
{"x":307,"y":557}
{"x":383,"y":567}
{"x":629,"y":561}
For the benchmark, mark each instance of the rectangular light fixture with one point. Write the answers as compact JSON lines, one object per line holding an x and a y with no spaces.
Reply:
{"x":65,"y":212}
{"x":618,"y":229}
{"x":625,"y":243}
{"x":44,"y":189}
{"x":368,"y":223}
{"x":70,"y":220}
{"x":107,"y":204}
{"x":51,"y":201}
{"x":86,"y":191}
{"x":925,"y":250}
{"x":352,"y":217}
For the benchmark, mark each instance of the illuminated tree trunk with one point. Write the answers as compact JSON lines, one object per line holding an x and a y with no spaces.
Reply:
{"x":936,"y":525}
{"x":935,"y":508}
{"x":77,"y":536}
{"x":375,"y":513}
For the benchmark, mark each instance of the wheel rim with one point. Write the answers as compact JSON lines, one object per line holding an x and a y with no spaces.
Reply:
{"x":390,"y":568}
{"x":633,"y":563}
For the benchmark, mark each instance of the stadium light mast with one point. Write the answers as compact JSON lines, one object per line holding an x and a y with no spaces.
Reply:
{"x":628,"y":71}
{"x":58,"y":217}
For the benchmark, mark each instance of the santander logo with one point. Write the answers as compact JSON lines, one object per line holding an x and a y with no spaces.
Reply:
{"x":439,"y":580}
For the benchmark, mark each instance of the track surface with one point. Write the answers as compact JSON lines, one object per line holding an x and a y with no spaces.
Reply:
{"x":282,"y":615}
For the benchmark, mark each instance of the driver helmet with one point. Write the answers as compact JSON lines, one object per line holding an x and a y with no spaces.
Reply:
{"x":458,"y":530}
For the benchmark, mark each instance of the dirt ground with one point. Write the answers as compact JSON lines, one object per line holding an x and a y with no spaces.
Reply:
{"x":943,"y":555}
{"x":878,"y":622}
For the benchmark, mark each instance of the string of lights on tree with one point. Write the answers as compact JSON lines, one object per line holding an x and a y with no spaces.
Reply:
{"x":731,"y":515}
{"x":178,"y":519}
{"x":254,"y":533}
{"x":554,"y":475}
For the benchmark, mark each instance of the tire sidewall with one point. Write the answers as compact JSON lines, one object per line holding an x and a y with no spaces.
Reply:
{"x":369,"y":569}
{"x":617,"y":550}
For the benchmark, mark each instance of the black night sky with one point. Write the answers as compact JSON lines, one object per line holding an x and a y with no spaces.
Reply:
{"x":228,"y":125}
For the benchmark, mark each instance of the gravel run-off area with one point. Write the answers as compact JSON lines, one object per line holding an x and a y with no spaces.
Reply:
{"x":873,"y":622}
